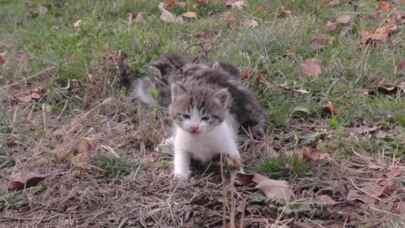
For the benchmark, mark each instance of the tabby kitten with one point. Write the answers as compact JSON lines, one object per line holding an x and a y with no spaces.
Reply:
{"x":207,"y":103}
{"x":203,"y":125}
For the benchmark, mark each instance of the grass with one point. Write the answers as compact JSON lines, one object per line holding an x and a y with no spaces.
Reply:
{"x":79,"y":97}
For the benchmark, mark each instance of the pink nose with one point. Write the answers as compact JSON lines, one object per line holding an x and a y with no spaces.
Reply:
{"x":194,"y":129}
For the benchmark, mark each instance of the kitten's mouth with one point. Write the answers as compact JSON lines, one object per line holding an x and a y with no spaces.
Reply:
{"x":195,"y":132}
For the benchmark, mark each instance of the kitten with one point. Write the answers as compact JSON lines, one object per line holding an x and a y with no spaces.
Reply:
{"x":170,"y":68}
{"x":203,"y":125}
{"x":207,"y":103}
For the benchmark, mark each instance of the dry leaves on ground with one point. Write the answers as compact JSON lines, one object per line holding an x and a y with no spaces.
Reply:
{"x":24,"y":180}
{"x":311,"y":67}
{"x":189,"y":14}
{"x":167,"y":16}
{"x":235,"y":3}
{"x":277,"y":190}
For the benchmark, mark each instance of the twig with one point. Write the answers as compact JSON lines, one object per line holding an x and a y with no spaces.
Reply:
{"x":361,"y":190}
{"x":46,"y":70}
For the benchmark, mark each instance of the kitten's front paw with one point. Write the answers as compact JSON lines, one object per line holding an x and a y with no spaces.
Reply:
{"x":182,"y":176}
{"x":234,"y":163}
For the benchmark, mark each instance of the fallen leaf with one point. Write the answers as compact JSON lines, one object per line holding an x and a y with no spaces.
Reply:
{"x":139,"y":19}
{"x":400,"y":67}
{"x":42,"y":10}
{"x":311,"y":67}
{"x":333,"y":3}
{"x":329,"y":108}
{"x":362,"y":130}
{"x":166,"y":16}
{"x":244,"y":178}
{"x":202,"y":2}
{"x":2,"y":60}
{"x":249,"y":23}
{"x":399,"y":16}
{"x":384,"y":6}
{"x":394,"y":172}
{"x":77,"y":23}
{"x":246,"y":73}
{"x":313,"y":154}
{"x":230,"y":19}
{"x":82,"y":158}
{"x":330,"y":26}
{"x":235,"y":3}
{"x":355,"y":195}
{"x":282,"y":13}
{"x":380,"y":34}
{"x":319,"y":41}
{"x":22,"y":181}
{"x":21,"y":57}
{"x":300,"y":111}
{"x":277,"y":190}
{"x":169,"y":4}
{"x":344,"y":19}
{"x":326,"y":200}
{"x":189,"y":14}
{"x":398,"y":207}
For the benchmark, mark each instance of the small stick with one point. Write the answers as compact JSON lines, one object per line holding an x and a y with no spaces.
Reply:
{"x":30,"y":77}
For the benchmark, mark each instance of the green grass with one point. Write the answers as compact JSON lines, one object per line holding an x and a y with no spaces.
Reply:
{"x":276,"y":48}
{"x":113,"y":167}
{"x":285,"y":166}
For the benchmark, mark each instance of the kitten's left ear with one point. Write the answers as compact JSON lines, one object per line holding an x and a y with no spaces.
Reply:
{"x":223,"y":96}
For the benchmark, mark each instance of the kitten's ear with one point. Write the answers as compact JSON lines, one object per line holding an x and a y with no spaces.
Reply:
{"x":176,"y":90}
{"x":223,"y":96}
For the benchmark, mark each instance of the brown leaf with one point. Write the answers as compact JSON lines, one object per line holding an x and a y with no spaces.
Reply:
{"x":282,"y":13}
{"x":249,"y":23}
{"x":401,"y":65}
{"x":313,"y":154}
{"x":384,"y":6}
{"x":319,"y":41}
{"x":355,"y":195}
{"x":139,"y":19}
{"x":333,"y":3}
{"x":202,"y":2}
{"x":380,"y":34}
{"x":344,"y":19}
{"x":329,"y":108}
{"x":26,"y":181}
{"x":394,"y":172}
{"x":244,"y":178}
{"x":77,"y":24}
{"x":398,"y":207}
{"x":84,"y":148}
{"x":330,"y":26}
{"x":169,"y":4}
{"x":189,"y":14}
{"x":311,"y":67}
{"x":230,"y":19}
{"x":168,"y":17}
{"x":277,"y":190}
{"x":362,"y":130}
{"x":2,"y":60}
{"x":246,"y":73}
{"x":326,"y":200}
{"x":235,"y":3}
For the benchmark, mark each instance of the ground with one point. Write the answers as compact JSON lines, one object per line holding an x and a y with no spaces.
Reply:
{"x":77,"y":151}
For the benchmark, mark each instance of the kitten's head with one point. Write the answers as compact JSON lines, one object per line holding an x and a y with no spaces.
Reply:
{"x":198,"y":109}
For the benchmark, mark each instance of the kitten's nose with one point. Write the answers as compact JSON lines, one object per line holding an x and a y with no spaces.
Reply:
{"x":194,"y":129}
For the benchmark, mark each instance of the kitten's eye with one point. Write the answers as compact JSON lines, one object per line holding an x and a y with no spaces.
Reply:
{"x":185,"y":116}
{"x":205,"y":118}
{"x":215,"y":117}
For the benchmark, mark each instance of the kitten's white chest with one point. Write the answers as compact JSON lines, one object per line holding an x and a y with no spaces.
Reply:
{"x":204,"y":147}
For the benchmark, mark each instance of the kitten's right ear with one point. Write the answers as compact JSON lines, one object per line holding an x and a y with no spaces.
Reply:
{"x":176,"y":90}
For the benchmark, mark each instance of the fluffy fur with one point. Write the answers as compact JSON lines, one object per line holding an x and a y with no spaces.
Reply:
{"x":207,"y":104}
